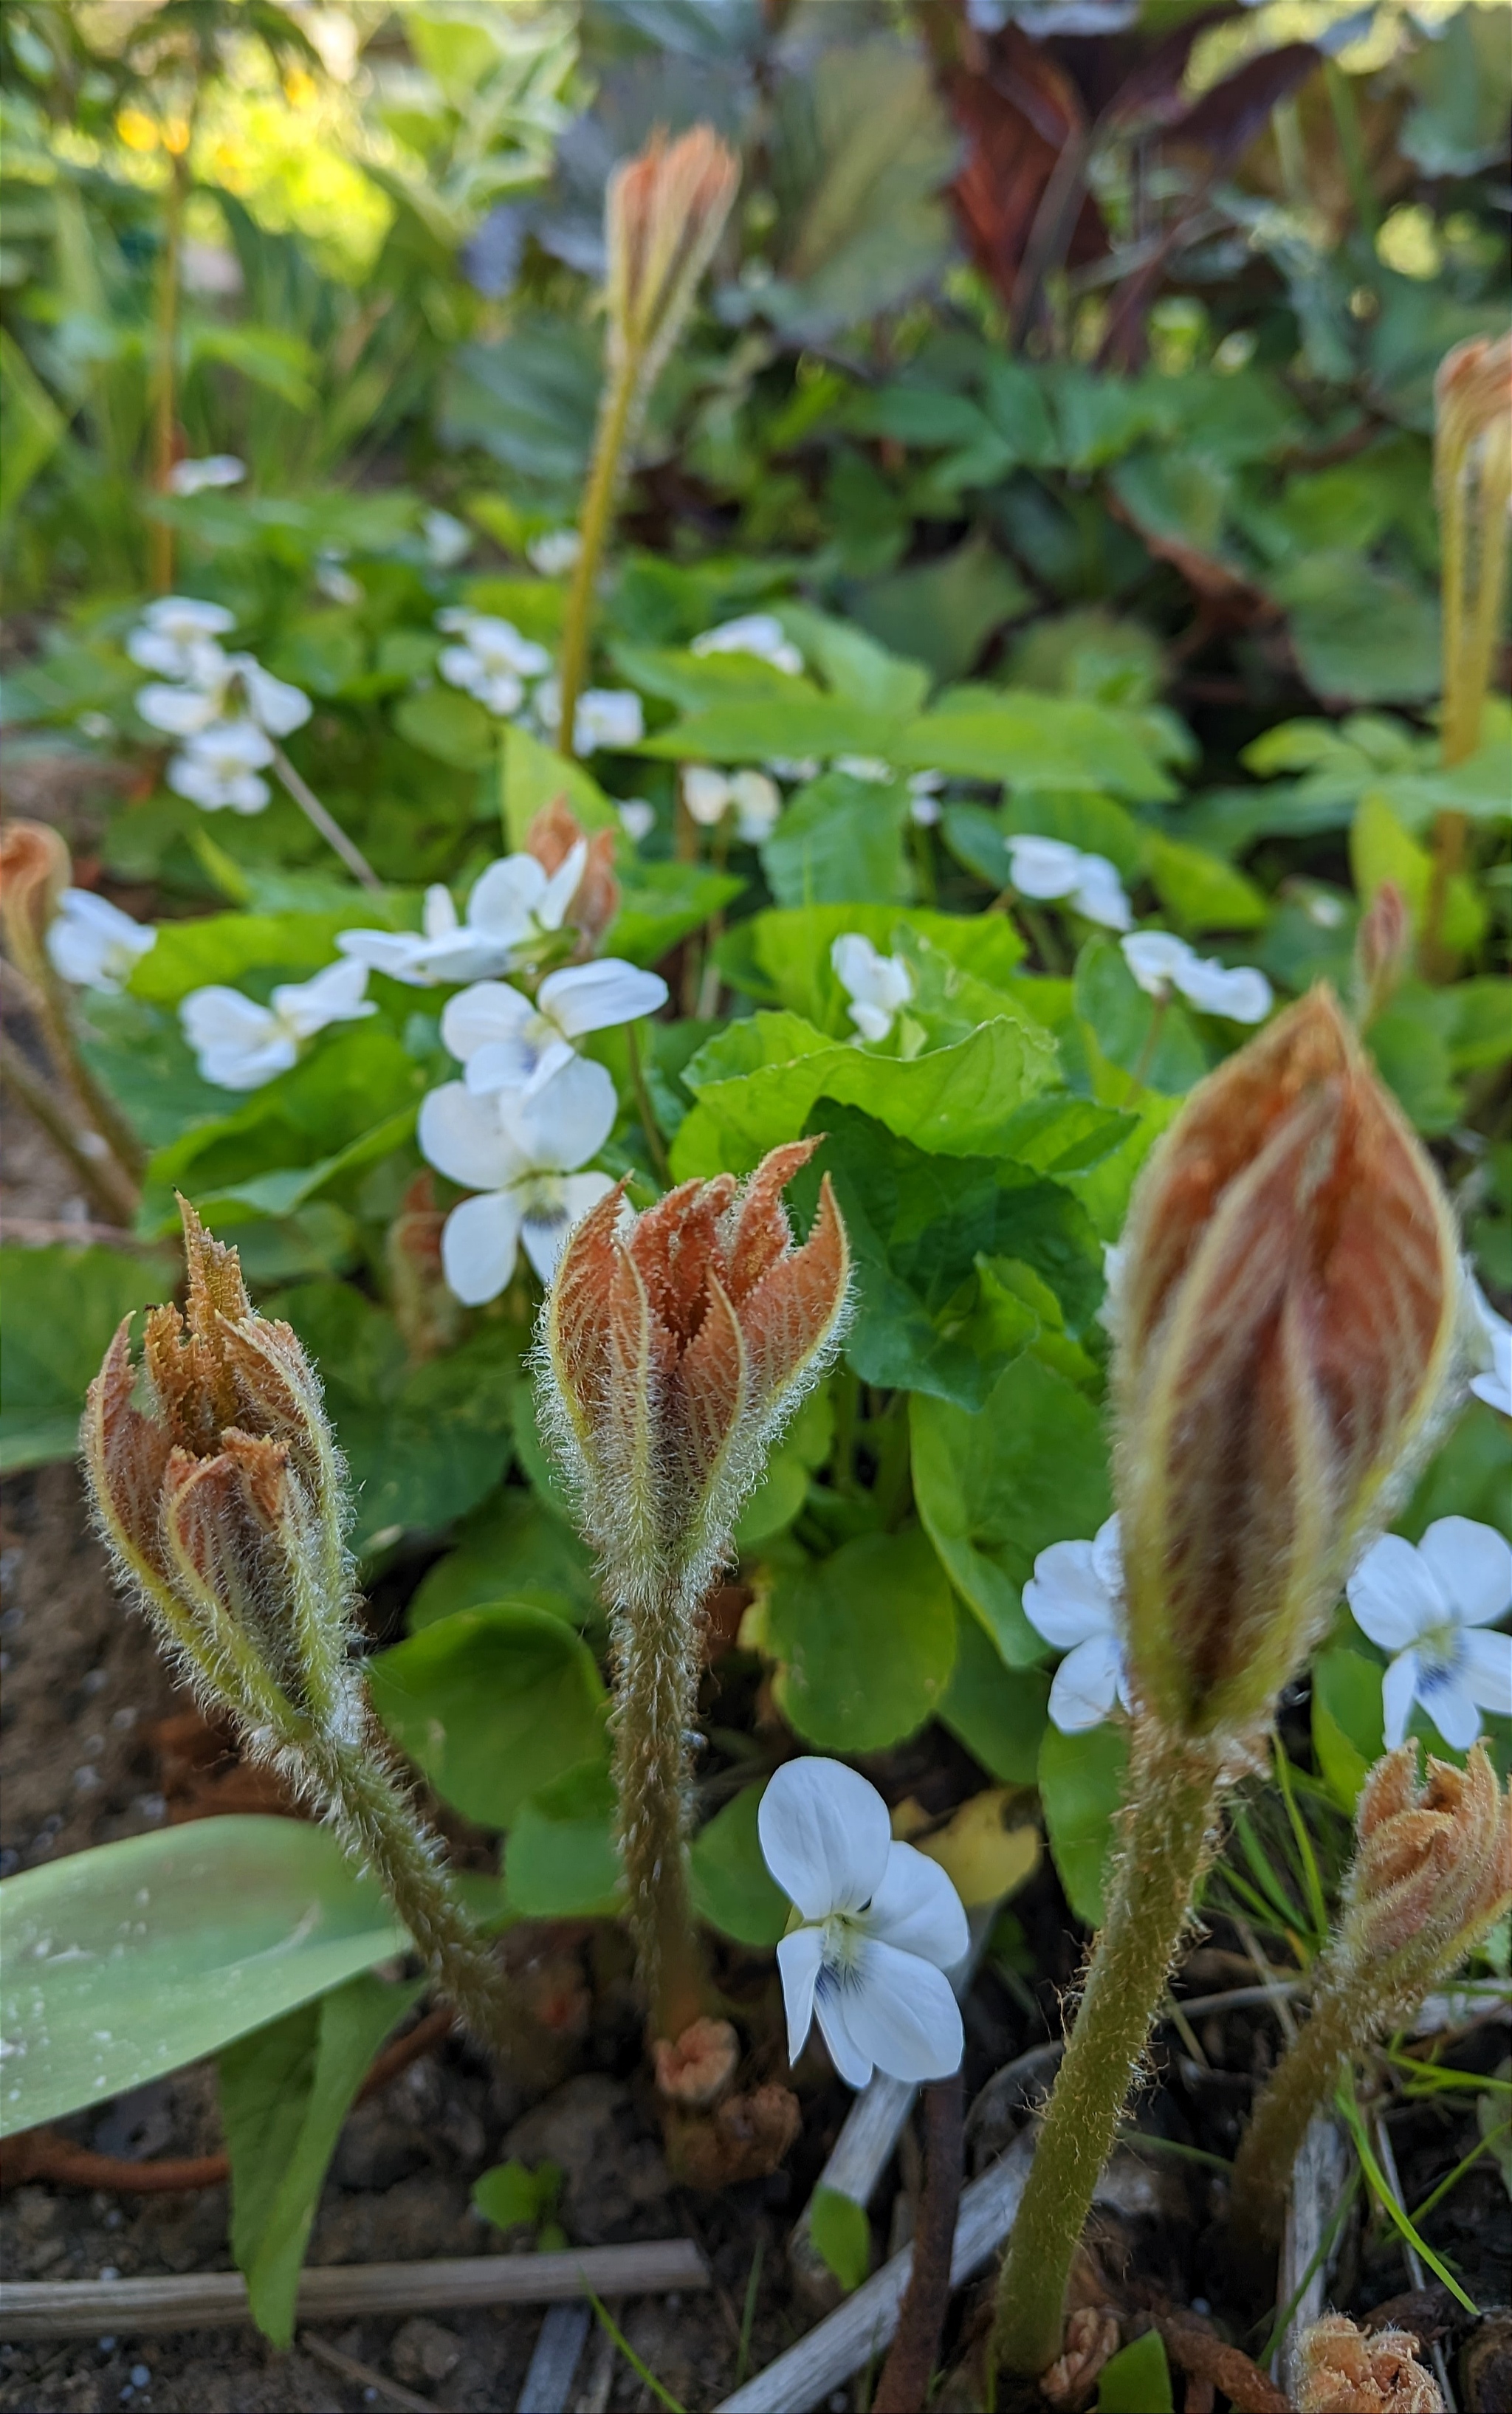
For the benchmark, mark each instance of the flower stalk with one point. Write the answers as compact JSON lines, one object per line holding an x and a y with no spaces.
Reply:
{"x":674,"y":1346}
{"x":664,"y":214}
{"x":223,"y":1505}
{"x":1473,"y":486}
{"x":1432,"y":1871}
{"x":1287,"y":1314}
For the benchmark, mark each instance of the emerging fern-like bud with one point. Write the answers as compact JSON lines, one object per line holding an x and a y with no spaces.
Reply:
{"x":1289,"y":1302}
{"x":1431,"y":1872}
{"x":224,"y":1507}
{"x":674,"y":1346}
{"x":1343,"y":2370}
{"x":35,"y":870}
{"x":677,"y":1342}
{"x":664,"y":211}
{"x":223,"y":1503}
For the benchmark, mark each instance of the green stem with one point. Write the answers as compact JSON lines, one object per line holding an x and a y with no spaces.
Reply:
{"x":319,"y":818}
{"x":165,"y":412}
{"x":1167,"y":1829}
{"x":1351,"y":147}
{"x":656,"y":1657}
{"x":383,"y":1826}
{"x":655,"y":1144}
{"x":616,"y":422}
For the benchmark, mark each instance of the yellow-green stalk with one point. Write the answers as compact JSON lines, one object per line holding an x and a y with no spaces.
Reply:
{"x":1473,"y":486}
{"x":664,"y":211}
{"x":1288,"y":1299}
{"x":1431,"y":1872}
{"x":224,"y":1507}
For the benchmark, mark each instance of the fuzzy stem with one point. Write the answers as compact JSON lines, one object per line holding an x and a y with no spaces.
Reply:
{"x":1167,"y":1827}
{"x":616,"y":423}
{"x":1300,"y":2086}
{"x":657,"y":1665}
{"x":380,"y":1823}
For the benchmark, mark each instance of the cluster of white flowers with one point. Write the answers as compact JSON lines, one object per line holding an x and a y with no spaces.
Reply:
{"x":878,"y":1927}
{"x":519,"y":1152}
{"x":1425,"y":1603}
{"x":1047,"y":869}
{"x":1161,"y":962}
{"x":91,"y":943}
{"x":877,"y":986}
{"x":240,"y":1044}
{"x":225,"y":708}
{"x":510,"y":675}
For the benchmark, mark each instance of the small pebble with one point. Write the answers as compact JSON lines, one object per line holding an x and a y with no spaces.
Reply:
{"x":139,"y":2377}
{"x":107,"y":2344}
{"x":110,"y":2271}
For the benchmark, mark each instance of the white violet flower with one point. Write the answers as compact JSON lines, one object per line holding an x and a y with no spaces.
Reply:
{"x":170,"y":631}
{"x":506,"y":1042}
{"x":491,"y":659}
{"x":876,"y":986}
{"x":1076,"y":1599}
{"x":214,"y":470}
{"x":1047,"y":867}
{"x":220,"y":687}
{"x":219,"y":766}
{"x":447,"y":539}
{"x":1425,"y":1603}
{"x":1494,"y":1382}
{"x":754,"y":633}
{"x":638,"y":818}
{"x":605,"y":716}
{"x":514,"y":906}
{"x":1160,"y":962}
{"x":241,"y":1044}
{"x":868,"y":767}
{"x":91,"y":943}
{"x":335,"y":583}
{"x":754,"y":800}
{"x":878,"y":1926}
{"x":554,"y":552}
{"x":521,"y":1156}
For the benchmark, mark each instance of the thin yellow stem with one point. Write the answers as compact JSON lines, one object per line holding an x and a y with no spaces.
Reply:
{"x":616,"y":423}
{"x":165,"y":406}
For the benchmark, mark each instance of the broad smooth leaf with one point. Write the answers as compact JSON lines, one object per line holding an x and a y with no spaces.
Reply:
{"x":732,"y":1887}
{"x":757,"y":1083}
{"x":512,"y":1548}
{"x":866,"y":1640}
{"x":1081,"y":1787}
{"x":996,"y":1488}
{"x":1137,"y":2380}
{"x":59,"y":1308}
{"x":284,"y":2093}
{"x":493,"y":1704}
{"x":946,"y":610}
{"x":227,"y":947}
{"x":998,"y":1712}
{"x":454,"y":727}
{"x":135,"y":1958}
{"x":839,"y":839}
{"x":561,"y":1861}
{"x":1358,"y":632}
